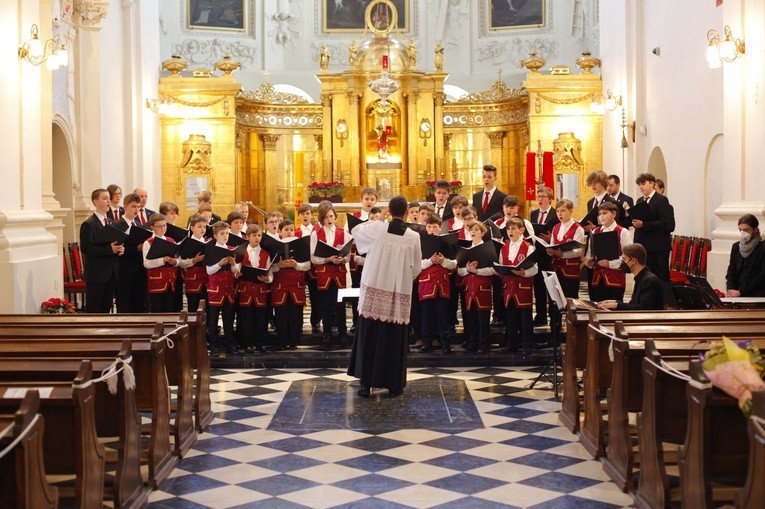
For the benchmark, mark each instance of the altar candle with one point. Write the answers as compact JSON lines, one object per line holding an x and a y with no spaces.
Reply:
{"x":427,"y":168}
{"x":385,"y":62}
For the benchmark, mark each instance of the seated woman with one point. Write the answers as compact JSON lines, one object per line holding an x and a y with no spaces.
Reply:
{"x":746,"y":269}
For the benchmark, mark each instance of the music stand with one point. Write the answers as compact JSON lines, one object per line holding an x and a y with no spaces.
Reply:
{"x":558,"y":307}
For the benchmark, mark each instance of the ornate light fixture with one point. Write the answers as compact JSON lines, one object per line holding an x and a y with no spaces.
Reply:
{"x":53,"y":51}
{"x":384,"y":20}
{"x":384,"y":86}
{"x":729,"y":49}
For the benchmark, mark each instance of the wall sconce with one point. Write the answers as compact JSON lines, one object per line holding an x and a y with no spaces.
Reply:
{"x":600,"y":104}
{"x":341,"y":131}
{"x":425,"y":131}
{"x":53,"y":51}
{"x":612,"y":101}
{"x":729,"y":49}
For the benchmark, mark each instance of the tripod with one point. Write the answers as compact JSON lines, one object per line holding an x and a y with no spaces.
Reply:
{"x":553,"y":364}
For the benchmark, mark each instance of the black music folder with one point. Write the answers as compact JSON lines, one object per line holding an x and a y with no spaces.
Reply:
{"x":566,"y":246}
{"x":353,"y":222}
{"x":324,"y":250}
{"x":176,"y":232}
{"x":192,"y":247}
{"x":605,"y":245}
{"x":293,"y":248}
{"x":444,"y":244}
{"x":541,"y":229}
{"x":485,"y":254}
{"x":214,"y":253}
{"x":251,"y":273}
{"x":161,"y":248}
{"x":642,"y":212}
{"x":495,"y":231}
{"x":110,"y":233}
{"x":527,"y":263}
{"x":419,"y":228}
{"x":236,"y":240}
{"x":590,"y":218}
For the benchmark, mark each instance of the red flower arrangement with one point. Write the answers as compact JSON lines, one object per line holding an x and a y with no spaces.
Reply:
{"x":430,"y":186}
{"x":326,"y":189}
{"x":56,"y":306}
{"x":456,"y":185}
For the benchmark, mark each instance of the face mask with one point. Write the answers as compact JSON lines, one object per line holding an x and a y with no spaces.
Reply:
{"x":745,"y":237}
{"x":625,"y":267}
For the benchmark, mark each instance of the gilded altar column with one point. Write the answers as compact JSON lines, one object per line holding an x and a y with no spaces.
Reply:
{"x":415,"y":171}
{"x":441,"y":142}
{"x":497,"y":157}
{"x":269,"y":164}
{"x":354,"y":166}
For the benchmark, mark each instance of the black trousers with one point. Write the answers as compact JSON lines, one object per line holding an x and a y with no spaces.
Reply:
{"x":603,"y":292}
{"x":434,"y":314}
{"x":415,"y":316}
{"x":162,"y":302}
{"x":178,"y":296}
{"x":313,"y":298}
{"x":289,"y":322}
{"x":131,"y":295}
{"x":356,"y":283}
{"x":478,"y":321}
{"x":228,"y":324}
{"x":658,"y":263}
{"x":193,"y":300}
{"x":570,"y":286}
{"x":540,"y":296}
{"x":329,"y":305}
{"x":254,"y":325}
{"x":520,"y":328}
{"x":99,"y":297}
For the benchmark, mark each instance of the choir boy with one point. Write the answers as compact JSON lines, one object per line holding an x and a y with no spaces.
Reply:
{"x":170,"y":211}
{"x":272,"y":225}
{"x":100,"y":272}
{"x":413,"y":212}
{"x":115,"y":196}
{"x":288,"y":293}
{"x":426,"y":209}
{"x":567,"y":264}
{"x":608,"y":279}
{"x":131,"y":279}
{"x":221,"y":292}
{"x":442,"y":207}
{"x":478,"y":283}
{"x":368,"y":202}
{"x":434,"y":294}
{"x":304,"y":229}
{"x":458,"y":204}
{"x":160,"y":272}
{"x":194,"y":273}
{"x":253,"y":295}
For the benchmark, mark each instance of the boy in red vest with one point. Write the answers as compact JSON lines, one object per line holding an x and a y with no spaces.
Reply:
{"x":434,"y":293}
{"x":478,"y":284}
{"x":193,"y":269}
{"x":288,"y":293}
{"x":304,"y":229}
{"x":221,"y":292}
{"x":253,"y":296}
{"x":567,"y":264}
{"x":608,"y":279}
{"x":368,"y":202}
{"x":161,"y":272}
{"x":518,"y":289}
{"x":330,"y":272}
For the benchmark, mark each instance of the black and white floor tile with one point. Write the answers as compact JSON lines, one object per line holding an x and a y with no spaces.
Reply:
{"x":457,"y":438}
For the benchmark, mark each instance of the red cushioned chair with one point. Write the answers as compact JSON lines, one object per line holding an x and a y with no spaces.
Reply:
{"x":74,"y":287}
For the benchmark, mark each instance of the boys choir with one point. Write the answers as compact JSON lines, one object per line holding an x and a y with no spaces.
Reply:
{"x":485,"y":256}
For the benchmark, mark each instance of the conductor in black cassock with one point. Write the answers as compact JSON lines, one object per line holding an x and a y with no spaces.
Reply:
{"x":378,"y":357}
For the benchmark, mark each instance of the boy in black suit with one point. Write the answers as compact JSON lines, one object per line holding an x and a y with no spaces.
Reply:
{"x":614,"y":185}
{"x":655,"y":235}
{"x":442,"y":205}
{"x":545,"y":215}
{"x":100,"y":271}
{"x":488,"y":203}
{"x":131,"y":279}
{"x":115,"y":196}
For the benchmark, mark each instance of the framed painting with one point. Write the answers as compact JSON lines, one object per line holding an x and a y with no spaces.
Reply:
{"x":230,"y":15}
{"x":514,"y":14}
{"x":349,"y":16}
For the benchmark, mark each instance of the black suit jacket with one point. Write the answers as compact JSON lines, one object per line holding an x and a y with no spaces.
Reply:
{"x":110,"y":214}
{"x":494,"y":210}
{"x":624,"y":218}
{"x":544,"y":260}
{"x":606,"y":199}
{"x":130,"y":264}
{"x":100,"y":262}
{"x":148,"y":212}
{"x":656,"y":235}
{"x":647,"y":293}
{"x":448,"y":212}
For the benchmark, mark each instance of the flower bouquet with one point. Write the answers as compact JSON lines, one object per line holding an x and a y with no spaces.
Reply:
{"x":735,"y":369}
{"x":456,"y":185}
{"x":56,"y":306}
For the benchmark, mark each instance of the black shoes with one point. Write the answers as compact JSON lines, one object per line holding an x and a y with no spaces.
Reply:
{"x":540,"y":320}
{"x":543,"y":345}
{"x":395,"y":392}
{"x":425,"y":349}
{"x":315,"y":329}
{"x":363,"y":391}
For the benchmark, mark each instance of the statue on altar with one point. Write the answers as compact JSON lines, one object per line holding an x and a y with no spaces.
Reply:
{"x":382,"y":142}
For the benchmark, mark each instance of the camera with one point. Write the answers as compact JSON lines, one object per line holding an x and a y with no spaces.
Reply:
{"x":656,"y":51}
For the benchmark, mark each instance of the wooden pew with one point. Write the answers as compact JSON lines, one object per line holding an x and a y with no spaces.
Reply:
{"x":198,"y":356}
{"x":152,"y":386}
{"x":23,"y":483}
{"x":115,"y":416}
{"x":592,"y":433}
{"x":183,"y":429}
{"x":575,"y":355}
{"x":753,"y":494}
{"x":73,"y":448}
{"x":716,"y":447}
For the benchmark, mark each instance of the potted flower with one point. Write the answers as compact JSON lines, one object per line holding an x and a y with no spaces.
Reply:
{"x":430,"y":190}
{"x":456,"y":185}
{"x":332,"y":191}
{"x":56,"y":306}
{"x":336,"y":190}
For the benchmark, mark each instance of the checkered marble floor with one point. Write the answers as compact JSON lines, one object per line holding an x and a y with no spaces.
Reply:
{"x":297,"y":438}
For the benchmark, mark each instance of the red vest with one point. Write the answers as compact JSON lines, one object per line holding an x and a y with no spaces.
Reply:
{"x":195,"y":277}
{"x":288,"y":283}
{"x":254,"y":294}
{"x":518,"y":288}
{"x":613,"y":278}
{"x":162,"y":279}
{"x":221,"y":286}
{"x":433,"y":283}
{"x":328,"y":272}
{"x":478,"y":292}
{"x":569,"y":268}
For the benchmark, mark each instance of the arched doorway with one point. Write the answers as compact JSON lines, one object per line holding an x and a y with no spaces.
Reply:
{"x":658,"y":167}
{"x":62,"y":157}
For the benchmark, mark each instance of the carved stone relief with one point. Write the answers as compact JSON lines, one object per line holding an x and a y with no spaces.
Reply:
{"x":513,"y":51}
{"x":207,"y":52}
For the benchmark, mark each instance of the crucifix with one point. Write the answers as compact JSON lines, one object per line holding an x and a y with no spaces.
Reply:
{"x":265,"y":75}
{"x":540,"y":158}
{"x":499,"y":75}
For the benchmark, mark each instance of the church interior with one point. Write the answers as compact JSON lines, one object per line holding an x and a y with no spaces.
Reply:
{"x":262,"y":101}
